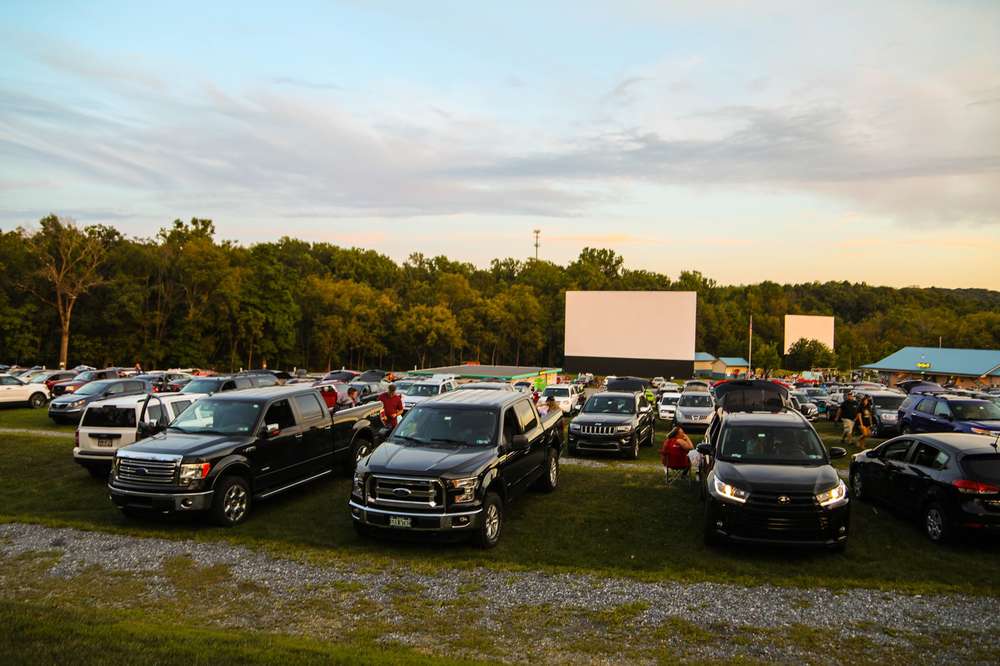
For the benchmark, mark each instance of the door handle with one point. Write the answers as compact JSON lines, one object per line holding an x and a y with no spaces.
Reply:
{"x":298,"y":436}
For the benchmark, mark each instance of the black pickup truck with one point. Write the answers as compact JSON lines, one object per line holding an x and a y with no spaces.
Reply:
{"x":454,"y":463}
{"x":226,"y":451}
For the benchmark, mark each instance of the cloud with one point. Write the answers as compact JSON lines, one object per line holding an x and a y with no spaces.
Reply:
{"x":301,"y":83}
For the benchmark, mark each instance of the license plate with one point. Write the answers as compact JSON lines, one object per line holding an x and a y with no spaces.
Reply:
{"x":400,"y":521}
{"x":104,"y":443}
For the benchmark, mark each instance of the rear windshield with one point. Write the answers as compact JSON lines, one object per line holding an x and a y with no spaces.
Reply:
{"x":556,"y":392}
{"x":201,"y":386}
{"x":975,"y":410}
{"x":423,"y":390}
{"x":109,"y":416}
{"x":609,"y":405}
{"x":771,"y":445}
{"x":890,"y":402}
{"x":983,"y":468}
{"x":695,"y":400}
{"x":669,"y":400}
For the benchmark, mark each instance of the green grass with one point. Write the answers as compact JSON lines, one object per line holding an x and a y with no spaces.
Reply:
{"x":34,"y":419}
{"x":38,"y":633}
{"x":615,"y":520}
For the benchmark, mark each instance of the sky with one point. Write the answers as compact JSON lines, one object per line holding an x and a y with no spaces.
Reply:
{"x":781,"y":140}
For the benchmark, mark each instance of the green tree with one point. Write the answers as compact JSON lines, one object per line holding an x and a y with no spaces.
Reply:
{"x":807,"y":354}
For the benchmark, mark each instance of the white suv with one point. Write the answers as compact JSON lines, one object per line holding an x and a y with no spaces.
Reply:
{"x":667,"y":405}
{"x":14,"y":391}
{"x":568,"y":396}
{"x":108,"y":425}
{"x":422,"y":389}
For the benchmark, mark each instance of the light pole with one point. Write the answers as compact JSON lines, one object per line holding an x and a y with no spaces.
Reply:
{"x":536,"y":232}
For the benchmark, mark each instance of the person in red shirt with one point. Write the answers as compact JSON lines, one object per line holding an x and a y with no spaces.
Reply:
{"x":392,"y":406}
{"x":674,"y":452}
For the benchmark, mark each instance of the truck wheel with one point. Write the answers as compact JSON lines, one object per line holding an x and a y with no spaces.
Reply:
{"x":491,"y":524}
{"x":632,"y":453}
{"x":231,"y":502}
{"x":549,"y":479}
{"x":37,"y":400}
{"x":359,"y":449}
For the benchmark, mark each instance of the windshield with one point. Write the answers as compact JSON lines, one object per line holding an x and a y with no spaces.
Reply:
{"x":403,"y":387}
{"x":771,"y":445}
{"x":226,"y":417}
{"x":695,"y":400}
{"x":669,"y":400}
{"x":85,"y":377}
{"x":201,"y":386}
{"x":423,"y":390}
{"x":433,"y":423}
{"x":975,"y":410}
{"x":599,"y":404}
{"x":889,"y":402}
{"x":93,"y":388}
{"x":556,"y":392}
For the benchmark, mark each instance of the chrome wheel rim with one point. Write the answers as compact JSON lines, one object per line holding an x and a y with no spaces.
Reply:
{"x":361,"y":452}
{"x":553,"y":471}
{"x":234,"y":504}
{"x":492,"y":522}
{"x":935,"y":524}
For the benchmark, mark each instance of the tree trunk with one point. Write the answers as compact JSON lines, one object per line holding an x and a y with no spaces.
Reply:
{"x":64,"y":346}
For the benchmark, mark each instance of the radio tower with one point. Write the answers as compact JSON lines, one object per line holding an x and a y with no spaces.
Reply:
{"x":536,"y":232}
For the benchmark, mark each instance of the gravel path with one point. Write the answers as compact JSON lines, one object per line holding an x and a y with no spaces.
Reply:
{"x":34,"y":431}
{"x":878,"y":616}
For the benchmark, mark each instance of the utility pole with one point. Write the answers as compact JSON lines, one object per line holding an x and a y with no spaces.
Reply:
{"x":750,"y":348}
{"x":536,"y":232}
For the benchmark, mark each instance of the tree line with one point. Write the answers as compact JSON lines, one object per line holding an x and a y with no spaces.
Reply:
{"x":183,"y":298}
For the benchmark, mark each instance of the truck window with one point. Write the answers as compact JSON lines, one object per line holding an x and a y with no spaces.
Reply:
{"x":526,"y":415}
{"x":180,"y":406}
{"x":309,"y":407}
{"x":511,"y":426}
{"x":281,"y":413}
{"x":154,"y":413}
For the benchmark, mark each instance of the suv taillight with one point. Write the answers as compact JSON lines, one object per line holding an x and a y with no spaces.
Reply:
{"x":975,"y":487}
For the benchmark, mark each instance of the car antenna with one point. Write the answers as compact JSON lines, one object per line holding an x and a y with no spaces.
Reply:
{"x":996,"y":441}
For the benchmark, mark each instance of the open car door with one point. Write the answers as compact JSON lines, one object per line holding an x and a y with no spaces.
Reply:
{"x":751,"y":395}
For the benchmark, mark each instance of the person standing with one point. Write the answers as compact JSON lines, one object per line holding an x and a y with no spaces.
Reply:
{"x":392,"y":406}
{"x":847,"y":413}
{"x":865,"y":420}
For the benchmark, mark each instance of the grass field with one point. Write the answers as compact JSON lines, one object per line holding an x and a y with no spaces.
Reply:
{"x":614,"y":519}
{"x":35,"y":419}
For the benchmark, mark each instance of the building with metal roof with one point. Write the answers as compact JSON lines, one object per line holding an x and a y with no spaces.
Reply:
{"x":703,"y":364}
{"x":963,"y":367}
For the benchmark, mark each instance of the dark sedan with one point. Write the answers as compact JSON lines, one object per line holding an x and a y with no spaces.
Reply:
{"x":950,"y":481}
{"x":68,"y":408}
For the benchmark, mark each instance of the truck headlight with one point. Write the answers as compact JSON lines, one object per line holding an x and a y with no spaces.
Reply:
{"x":728,"y":492}
{"x":194,"y":472}
{"x":575,"y":427}
{"x":359,"y":484}
{"x":465,"y":488}
{"x":834,"y":496}
{"x":624,"y":428}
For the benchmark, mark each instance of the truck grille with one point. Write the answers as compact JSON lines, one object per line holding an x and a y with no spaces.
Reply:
{"x":152,"y":472}
{"x":586,"y":429}
{"x":405,"y":492}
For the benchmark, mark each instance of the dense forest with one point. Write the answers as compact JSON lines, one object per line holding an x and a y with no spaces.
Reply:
{"x":187,"y":299}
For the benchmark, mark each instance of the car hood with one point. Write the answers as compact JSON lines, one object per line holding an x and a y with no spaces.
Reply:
{"x":777,"y":478}
{"x":603,"y":419}
{"x":71,"y":397}
{"x":436,"y":459}
{"x":188,"y":444}
{"x":985,"y":424}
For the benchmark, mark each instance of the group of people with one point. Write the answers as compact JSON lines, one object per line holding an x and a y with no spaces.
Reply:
{"x":854,"y":414}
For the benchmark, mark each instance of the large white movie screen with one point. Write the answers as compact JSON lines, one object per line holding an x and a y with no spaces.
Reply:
{"x":631,"y":324}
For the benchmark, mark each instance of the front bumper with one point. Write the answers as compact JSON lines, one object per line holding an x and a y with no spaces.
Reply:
{"x":689,"y":423}
{"x":125,"y":498}
{"x":748,"y":524}
{"x":451,"y":521}
{"x":72,"y":414}
{"x":615,"y":443}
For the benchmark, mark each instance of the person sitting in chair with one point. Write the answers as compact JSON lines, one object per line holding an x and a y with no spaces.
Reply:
{"x":674,"y":453}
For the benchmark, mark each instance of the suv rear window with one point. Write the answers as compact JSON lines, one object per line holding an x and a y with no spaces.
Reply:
{"x":109,"y":416}
{"x":983,"y":468}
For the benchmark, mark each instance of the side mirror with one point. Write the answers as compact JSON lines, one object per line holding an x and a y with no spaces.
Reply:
{"x":519,"y":443}
{"x":271,"y":430}
{"x":837,"y":452}
{"x":705,"y":449}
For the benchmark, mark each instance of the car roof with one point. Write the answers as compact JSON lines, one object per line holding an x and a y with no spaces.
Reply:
{"x":881,"y":394}
{"x":616,"y":394}
{"x":476,"y":398}
{"x":963,"y":398}
{"x":958,"y":442}
{"x":265,"y":393}
{"x":783,"y":418}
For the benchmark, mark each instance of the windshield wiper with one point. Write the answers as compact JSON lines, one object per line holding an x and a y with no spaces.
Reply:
{"x":177,"y":428}
{"x":448,"y":440}
{"x":410,"y":439}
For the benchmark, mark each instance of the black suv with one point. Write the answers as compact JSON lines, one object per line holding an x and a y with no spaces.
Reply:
{"x":228,"y":450}
{"x":768,"y":479}
{"x":950,"y":481}
{"x":454,"y":463}
{"x":615,"y":422}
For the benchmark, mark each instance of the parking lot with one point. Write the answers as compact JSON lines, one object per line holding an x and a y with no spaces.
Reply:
{"x":609,"y":567}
